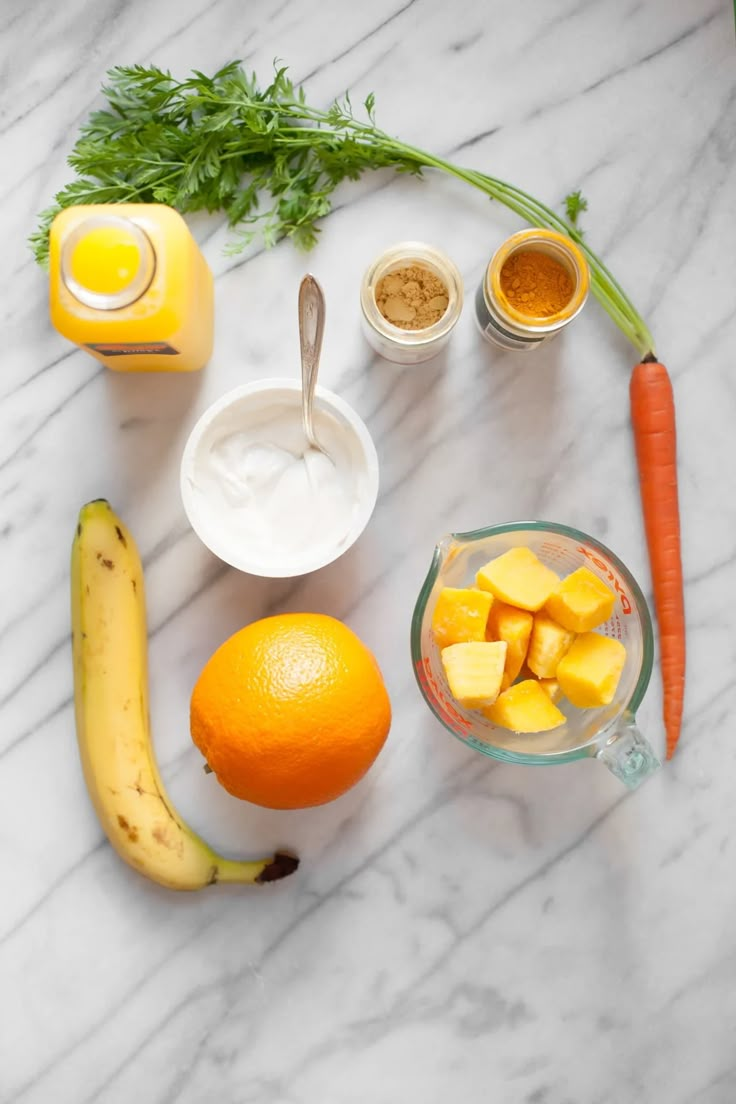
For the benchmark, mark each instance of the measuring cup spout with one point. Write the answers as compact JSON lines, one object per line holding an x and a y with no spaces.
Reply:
{"x":627,"y":754}
{"x":444,"y":548}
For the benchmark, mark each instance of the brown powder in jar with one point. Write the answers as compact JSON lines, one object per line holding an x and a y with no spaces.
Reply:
{"x":536,"y":283}
{"x":411,"y":298}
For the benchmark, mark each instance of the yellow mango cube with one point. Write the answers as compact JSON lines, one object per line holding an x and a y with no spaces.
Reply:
{"x":460,"y":615}
{"x":589,"y":674}
{"x":581,"y":601}
{"x":548,"y":644}
{"x":518,"y":578}
{"x":474,"y":670}
{"x":551,"y":688}
{"x":514,"y":626}
{"x":525,"y":707}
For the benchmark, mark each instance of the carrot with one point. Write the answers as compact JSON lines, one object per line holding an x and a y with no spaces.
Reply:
{"x":653,"y":421}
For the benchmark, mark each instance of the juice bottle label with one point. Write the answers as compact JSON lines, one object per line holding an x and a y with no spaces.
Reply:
{"x":128,"y":348}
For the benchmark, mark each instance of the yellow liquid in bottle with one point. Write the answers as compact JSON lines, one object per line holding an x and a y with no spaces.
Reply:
{"x":105,"y":260}
{"x":129,"y":284}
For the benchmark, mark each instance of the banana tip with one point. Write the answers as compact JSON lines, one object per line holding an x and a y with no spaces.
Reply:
{"x":92,"y":505}
{"x":281,"y":865}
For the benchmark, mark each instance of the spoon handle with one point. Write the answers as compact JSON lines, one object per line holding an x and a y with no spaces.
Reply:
{"x":311,"y":329}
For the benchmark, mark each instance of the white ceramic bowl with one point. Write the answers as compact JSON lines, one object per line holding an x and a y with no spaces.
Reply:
{"x":246,"y":401}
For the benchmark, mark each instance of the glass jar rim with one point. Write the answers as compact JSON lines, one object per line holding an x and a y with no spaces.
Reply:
{"x":421,"y":254}
{"x":558,"y":243}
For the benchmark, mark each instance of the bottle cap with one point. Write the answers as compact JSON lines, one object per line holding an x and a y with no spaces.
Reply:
{"x":107,"y":262}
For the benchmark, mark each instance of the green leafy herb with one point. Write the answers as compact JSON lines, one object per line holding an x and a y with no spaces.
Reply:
{"x":575,"y":204}
{"x":268,"y":160}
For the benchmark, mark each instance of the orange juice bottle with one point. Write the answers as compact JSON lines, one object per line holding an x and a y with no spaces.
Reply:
{"x":129,"y":284}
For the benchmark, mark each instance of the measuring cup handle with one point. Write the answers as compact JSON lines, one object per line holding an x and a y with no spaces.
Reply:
{"x":628,"y":755}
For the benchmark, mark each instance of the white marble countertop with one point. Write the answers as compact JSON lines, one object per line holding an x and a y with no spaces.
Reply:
{"x":459,"y":928}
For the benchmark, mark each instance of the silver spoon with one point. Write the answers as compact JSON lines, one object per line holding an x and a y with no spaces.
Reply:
{"x":311,"y":329}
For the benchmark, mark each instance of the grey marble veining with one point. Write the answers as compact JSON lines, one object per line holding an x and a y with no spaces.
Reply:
{"x":459,"y":928}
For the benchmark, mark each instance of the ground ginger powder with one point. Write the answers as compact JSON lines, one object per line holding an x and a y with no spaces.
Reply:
{"x":412,"y":298}
{"x":535,"y":283}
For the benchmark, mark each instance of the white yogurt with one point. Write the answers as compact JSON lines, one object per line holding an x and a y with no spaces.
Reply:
{"x":258,"y":494}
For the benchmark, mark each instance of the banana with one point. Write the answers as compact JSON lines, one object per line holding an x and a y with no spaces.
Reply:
{"x":109,"y":647}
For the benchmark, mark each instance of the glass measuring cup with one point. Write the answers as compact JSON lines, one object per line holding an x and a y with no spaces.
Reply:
{"x":608,"y":733}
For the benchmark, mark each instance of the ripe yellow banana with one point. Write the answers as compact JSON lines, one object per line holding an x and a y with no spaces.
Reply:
{"x":109,"y":644}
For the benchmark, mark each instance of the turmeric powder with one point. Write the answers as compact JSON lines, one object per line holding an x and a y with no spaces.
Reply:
{"x":535,"y":283}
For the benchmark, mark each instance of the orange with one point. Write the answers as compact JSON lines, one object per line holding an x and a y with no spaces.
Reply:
{"x":291,"y":711}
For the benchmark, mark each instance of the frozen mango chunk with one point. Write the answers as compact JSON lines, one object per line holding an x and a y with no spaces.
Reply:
{"x":518,"y":578}
{"x":581,"y":601}
{"x":460,"y":615}
{"x":548,"y":644}
{"x":474,"y":671}
{"x":589,"y":674}
{"x":514,"y":626}
{"x":525,"y":707}
{"x":551,"y":688}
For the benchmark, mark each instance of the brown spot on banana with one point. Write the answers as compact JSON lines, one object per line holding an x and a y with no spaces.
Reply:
{"x":120,"y":536}
{"x":130,"y":831}
{"x":159,"y":834}
{"x":138,"y":787}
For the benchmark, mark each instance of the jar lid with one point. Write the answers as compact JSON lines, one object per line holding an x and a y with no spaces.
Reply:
{"x":107,"y":262}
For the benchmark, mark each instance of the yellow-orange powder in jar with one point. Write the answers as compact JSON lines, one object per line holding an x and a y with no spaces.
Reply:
{"x":536,"y":284}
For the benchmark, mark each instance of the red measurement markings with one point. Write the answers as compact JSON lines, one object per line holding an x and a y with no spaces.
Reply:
{"x":559,"y":555}
{"x":444,"y":708}
{"x":603,"y":566}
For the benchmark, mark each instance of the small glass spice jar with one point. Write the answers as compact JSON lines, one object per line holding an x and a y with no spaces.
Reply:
{"x":410,"y":346}
{"x":501,"y":321}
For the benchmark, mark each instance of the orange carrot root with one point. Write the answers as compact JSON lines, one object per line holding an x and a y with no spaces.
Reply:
{"x":653,"y":421}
